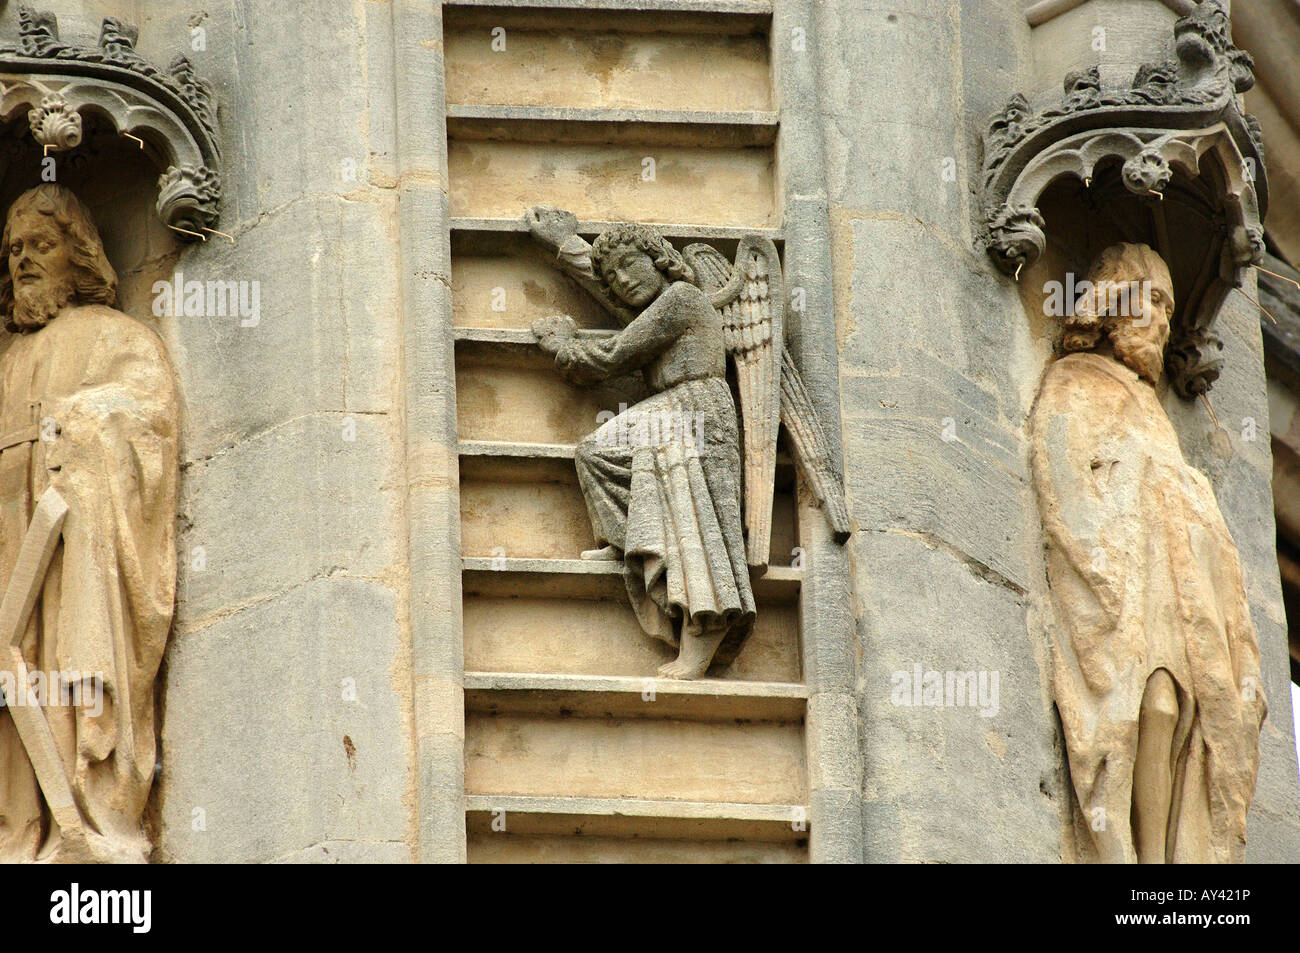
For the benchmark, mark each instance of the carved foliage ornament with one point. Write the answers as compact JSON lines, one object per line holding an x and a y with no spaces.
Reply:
{"x":1173,"y":114}
{"x":170,"y":111}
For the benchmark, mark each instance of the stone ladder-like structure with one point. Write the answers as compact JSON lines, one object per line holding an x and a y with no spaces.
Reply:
{"x":573,"y":750}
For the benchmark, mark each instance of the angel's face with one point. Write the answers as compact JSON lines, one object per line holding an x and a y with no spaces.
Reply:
{"x":633,"y":276}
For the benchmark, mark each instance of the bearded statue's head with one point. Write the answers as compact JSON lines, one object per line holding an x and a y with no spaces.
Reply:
{"x":1128,"y":306}
{"x":55,"y":259}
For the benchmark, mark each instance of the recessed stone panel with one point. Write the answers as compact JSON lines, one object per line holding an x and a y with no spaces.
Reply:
{"x":606,"y":70}
{"x":756,"y":763}
{"x":649,"y":183}
{"x":601,"y":637}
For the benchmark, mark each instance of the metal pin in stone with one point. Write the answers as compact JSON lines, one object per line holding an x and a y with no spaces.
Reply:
{"x":177,"y":228}
{"x":1276,"y":275}
{"x":1256,"y":303}
{"x":1205,"y":399}
{"x":1018,"y":267}
{"x":1159,"y":195}
{"x":136,"y":138}
{"x":222,"y":234}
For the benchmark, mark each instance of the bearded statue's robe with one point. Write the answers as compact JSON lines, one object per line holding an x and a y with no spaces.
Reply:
{"x":1144,"y":576}
{"x":662,"y":478}
{"x":105,"y":382}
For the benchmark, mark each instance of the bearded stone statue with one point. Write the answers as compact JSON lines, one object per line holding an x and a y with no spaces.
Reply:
{"x":1155,"y":662}
{"x":88,"y":423}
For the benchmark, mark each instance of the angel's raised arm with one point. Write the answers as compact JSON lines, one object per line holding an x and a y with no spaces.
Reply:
{"x":556,"y":230}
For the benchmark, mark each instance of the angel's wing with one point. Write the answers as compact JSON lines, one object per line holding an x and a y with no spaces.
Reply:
{"x":811,"y":449}
{"x":750,"y":298}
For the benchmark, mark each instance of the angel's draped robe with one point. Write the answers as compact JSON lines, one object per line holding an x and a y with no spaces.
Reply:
{"x":1144,"y":575}
{"x":104,"y":380}
{"x":662,"y":478}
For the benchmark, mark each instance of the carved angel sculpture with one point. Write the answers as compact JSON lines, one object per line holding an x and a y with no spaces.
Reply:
{"x":664,"y":481}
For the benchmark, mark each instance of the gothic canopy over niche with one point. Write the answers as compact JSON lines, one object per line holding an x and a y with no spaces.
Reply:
{"x":1170,"y":155}
{"x":170,"y":112}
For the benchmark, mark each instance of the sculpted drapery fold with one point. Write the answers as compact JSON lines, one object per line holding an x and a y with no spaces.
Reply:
{"x":1155,"y":663}
{"x":672,"y":489}
{"x":90,"y":396}
{"x":660,"y":479}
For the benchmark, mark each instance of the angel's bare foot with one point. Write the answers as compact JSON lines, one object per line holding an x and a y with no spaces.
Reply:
{"x":610,"y":552}
{"x":694,"y":653}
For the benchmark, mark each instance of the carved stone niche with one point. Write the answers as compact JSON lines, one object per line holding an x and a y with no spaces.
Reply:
{"x":169,"y":114}
{"x":1170,"y":161}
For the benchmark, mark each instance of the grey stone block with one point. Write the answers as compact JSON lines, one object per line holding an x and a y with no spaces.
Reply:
{"x":260,"y":733}
{"x":966,"y":786}
{"x":296,"y":502}
{"x":837,"y":827}
{"x":889,"y":124}
{"x":329,"y":334}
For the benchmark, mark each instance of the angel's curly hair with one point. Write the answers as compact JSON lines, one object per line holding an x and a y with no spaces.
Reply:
{"x":645,"y":239}
{"x":1118,"y":264}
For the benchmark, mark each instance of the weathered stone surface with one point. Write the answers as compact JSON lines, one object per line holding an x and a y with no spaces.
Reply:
{"x":931,"y":400}
{"x":889,"y":123}
{"x":282,"y":508}
{"x":349,"y":852}
{"x":1156,"y":670}
{"x":309,"y":731}
{"x":325,"y":336}
{"x":1006,"y":806}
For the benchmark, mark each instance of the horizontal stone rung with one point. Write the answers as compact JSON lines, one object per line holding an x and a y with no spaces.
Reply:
{"x":539,"y":451}
{"x":777,"y":579}
{"x":572,"y":114}
{"x":501,"y":448}
{"x":513,"y":337}
{"x":648,"y":127}
{"x":632,"y":817}
{"x":598,"y":696}
{"x":542,"y":681}
{"x":576,"y":567}
{"x":675,"y":231}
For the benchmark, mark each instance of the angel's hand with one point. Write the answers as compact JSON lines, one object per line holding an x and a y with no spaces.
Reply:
{"x":552,"y":333}
{"x":550,"y":226}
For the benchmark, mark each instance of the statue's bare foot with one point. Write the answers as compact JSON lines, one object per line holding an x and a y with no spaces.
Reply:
{"x":695,"y":652}
{"x":683,"y":670}
{"x":83,"y":846}
{"x":610,"y":552}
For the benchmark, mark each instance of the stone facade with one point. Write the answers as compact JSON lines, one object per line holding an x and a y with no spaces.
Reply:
{"x":385,"y":647}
